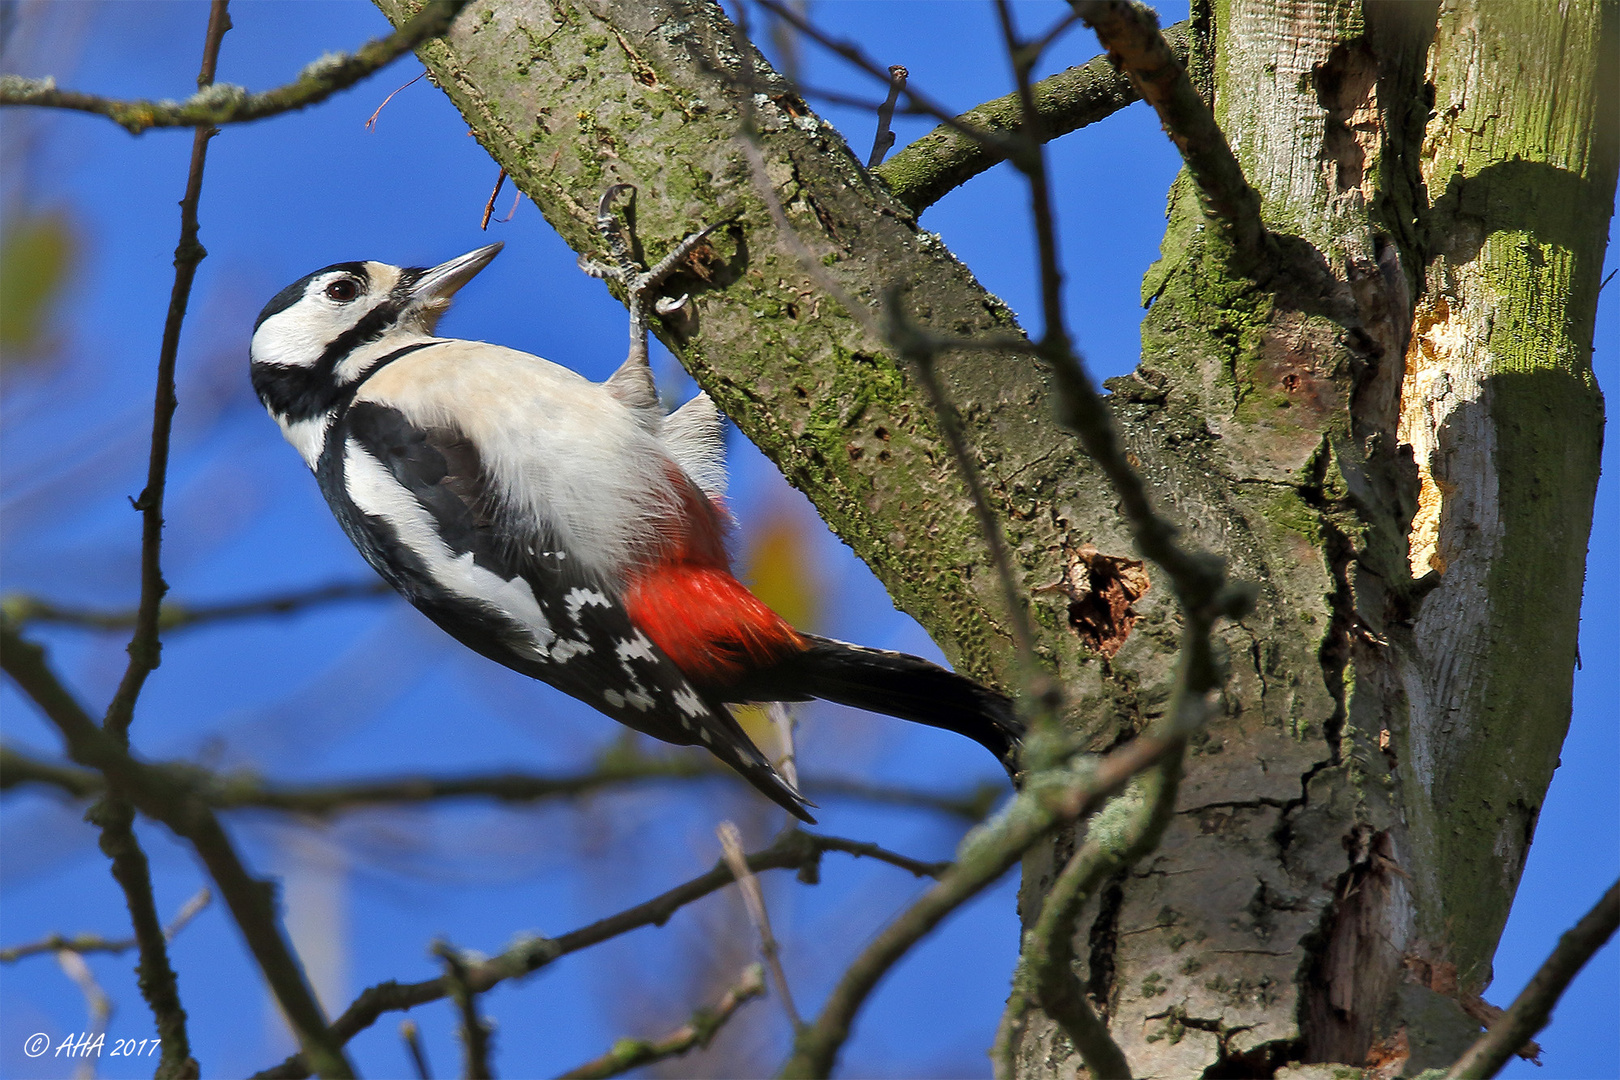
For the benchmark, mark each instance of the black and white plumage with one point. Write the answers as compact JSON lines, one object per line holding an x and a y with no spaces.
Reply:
{"x":567,"y":529}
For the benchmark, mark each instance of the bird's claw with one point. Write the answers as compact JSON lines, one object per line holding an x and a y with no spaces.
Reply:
{"x":640,"y":281}
{"x":671,"y":305}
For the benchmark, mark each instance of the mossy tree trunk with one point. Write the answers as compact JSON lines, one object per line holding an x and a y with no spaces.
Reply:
{"x":1390,"y":425}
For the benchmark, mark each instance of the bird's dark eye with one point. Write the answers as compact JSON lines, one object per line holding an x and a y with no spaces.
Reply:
{"x":342,"y":290}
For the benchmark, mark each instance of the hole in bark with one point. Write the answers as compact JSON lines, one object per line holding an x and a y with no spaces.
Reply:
{"x":1101,"y":589}
{"x":1346,"y":89}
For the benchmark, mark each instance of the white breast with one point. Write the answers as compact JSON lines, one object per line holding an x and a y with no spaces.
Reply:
{"x":567,"y":457}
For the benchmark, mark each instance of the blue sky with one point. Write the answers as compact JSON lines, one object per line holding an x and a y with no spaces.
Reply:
{"x":371,"y":688}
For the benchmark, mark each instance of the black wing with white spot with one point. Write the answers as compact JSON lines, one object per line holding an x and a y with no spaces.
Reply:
{"x":418,"y":504}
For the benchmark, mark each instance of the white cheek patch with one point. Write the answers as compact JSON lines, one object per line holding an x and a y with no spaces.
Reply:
{"x":308,"y":437}
{"x":375,"y":492}
{"x":297,"y":336}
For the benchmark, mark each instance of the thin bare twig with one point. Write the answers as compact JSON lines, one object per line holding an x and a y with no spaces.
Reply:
{"x":475,"y":1032}
{"x":1032,"y":163}
{"x":1529,"y":1012}
{"x":1199,"y":577}
{"x":920,"y":102}
{"x":621,"y":764}
{"x":96,"y":1003}
{"x":1039,"y":686}
{"x":371,"y":121}
{"x":155,"y":975}
{"x":114,"y":814}
{"x":697,"y":1032}
{"x":783,"y":720}
{"x":754,"y":903}
{"x":413,"y":1046}
{"x":226,"y":104}
{"x":55,"y":943}
{"x":23,"y":609}
{"x":794,"y":849}
{"x":94,"y":943}
{"x":161,"y":796}
{"x":489,"y":207}
{"x":144,"y":646}
{"x":883,"y":140}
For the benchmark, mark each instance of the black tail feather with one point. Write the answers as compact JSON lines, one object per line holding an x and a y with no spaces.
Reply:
{"x":895,"y":684}
{"x":770,"y":783}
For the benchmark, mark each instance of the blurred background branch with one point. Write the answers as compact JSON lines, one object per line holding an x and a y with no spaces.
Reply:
{"x":220,"y":104}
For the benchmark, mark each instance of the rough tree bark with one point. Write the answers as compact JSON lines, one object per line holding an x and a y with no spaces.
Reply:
{"x":1390,"y":425}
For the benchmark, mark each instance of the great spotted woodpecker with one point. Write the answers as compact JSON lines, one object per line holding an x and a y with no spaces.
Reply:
{"x":569,"y":530}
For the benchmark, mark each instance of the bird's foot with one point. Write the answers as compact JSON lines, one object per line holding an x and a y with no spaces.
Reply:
{"x":640,"y":282}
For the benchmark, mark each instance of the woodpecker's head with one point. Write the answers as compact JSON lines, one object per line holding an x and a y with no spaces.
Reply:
{"x":327,"y":330}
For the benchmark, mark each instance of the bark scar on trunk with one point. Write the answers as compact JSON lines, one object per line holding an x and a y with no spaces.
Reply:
{"x":1101,"y":589}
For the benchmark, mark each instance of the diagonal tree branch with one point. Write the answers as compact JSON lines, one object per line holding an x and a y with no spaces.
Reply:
{"x":1050,"y":798}
{"x":1529,"y":1012}
{"x":697,"y":1032}
{"x":926,"y":170}
{"x":1130,"y":33}
{"x":794,"y":849}
{"x":215,"y":105}
{"x":1122,"y":832}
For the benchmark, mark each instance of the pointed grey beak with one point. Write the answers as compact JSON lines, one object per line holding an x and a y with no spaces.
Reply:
{"x":441,"y":282}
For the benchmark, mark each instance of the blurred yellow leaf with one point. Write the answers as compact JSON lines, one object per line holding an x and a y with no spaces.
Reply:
{"x":36,"y":253}
{"x":778,"y":569}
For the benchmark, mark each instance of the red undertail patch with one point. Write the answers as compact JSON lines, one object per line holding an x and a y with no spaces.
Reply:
{"x":708,"y":623}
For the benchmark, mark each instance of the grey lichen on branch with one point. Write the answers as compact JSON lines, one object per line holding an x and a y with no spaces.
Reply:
{"x":697,"y":1032}
{"x":946,"y":158}
{"x":223,"y":103}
